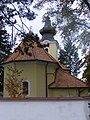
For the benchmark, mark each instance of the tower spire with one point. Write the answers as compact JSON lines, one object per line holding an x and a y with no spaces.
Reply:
{"x":48,"y":31}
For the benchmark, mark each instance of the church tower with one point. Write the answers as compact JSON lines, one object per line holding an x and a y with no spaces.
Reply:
{"x":48,"y":33}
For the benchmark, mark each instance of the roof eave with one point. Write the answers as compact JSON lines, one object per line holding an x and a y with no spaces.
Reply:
{"x":17,"y":61}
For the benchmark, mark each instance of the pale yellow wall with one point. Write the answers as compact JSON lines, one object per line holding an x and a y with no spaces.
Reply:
{"x":41,"y":77}
{"x":29,"y":73}
{"x":35,"y":73}
{"x":66,"y":92}
{"x":51,"y":73}
{"x":5,"y":93}
{"x":53,"y":50}
{"x":84,"y":92}
{"x":40,"y":80}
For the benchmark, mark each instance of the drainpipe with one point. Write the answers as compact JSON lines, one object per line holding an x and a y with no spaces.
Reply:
{"x":46,"y":79}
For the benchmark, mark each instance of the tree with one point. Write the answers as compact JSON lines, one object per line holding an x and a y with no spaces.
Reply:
{"x":82,"y":4}
{"x":86,"y":73}
{"x":5,"y":48}
{"x":14,"y":80}
{"x":12,"y":11}
{"x":5,"y":45}
{"x":70,"y":58}
{"x":70,"y":17}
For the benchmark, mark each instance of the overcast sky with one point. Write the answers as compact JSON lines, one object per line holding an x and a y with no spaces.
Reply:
{"x":37,"y":23}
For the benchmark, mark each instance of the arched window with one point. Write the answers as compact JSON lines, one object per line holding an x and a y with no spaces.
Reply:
{"x":26,"y":87}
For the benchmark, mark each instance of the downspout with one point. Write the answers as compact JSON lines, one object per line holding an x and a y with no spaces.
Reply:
{"x":46,"y":79}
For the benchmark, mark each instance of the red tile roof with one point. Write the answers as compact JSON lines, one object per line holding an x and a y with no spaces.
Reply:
{"x":32,"y":51}
{"x":29,"y":51}
{"x":64,"y":79}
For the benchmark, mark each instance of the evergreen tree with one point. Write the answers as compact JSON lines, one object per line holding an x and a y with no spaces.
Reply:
{"x":86,"y":73}
{"x":70,"y":58}
{"x":13,"y":13}
{"x":70,"y":17}
{"x":5,"y":47}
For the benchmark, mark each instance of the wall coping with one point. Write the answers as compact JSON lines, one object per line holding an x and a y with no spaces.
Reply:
{"x":45,"y":99}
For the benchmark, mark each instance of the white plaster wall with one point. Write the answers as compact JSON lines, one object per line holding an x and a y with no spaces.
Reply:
{"x":44,"y":110}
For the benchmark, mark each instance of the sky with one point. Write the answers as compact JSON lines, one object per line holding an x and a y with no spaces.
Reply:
{"x":34,"y":25}
{"x":37,"y":23}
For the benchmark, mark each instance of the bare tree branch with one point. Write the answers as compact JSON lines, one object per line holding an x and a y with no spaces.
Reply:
{"x":20,"y":18}
{"x":79,"y":23}
{"x":87,"y":3}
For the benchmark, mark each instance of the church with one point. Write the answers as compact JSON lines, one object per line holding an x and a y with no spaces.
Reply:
{"x":42,"y":74}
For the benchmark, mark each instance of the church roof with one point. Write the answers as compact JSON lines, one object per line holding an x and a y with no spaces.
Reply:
{"x":30,"y":51}
{"x":64,"y":79}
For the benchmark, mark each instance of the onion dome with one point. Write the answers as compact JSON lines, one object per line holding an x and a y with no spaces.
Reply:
{"x":48,"y":31}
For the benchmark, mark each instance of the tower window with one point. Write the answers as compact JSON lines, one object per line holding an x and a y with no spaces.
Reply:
{"x":26,"y":87}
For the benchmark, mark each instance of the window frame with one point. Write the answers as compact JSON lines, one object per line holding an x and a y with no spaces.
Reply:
{"x":28,"y":86}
